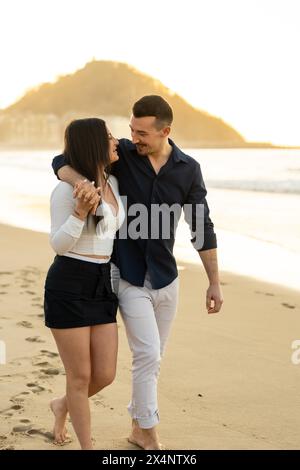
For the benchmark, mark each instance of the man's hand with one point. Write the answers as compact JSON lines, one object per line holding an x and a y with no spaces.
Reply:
{"x":214,"y":298}
{"x":86,"y":191}
{"x":84,"y":206}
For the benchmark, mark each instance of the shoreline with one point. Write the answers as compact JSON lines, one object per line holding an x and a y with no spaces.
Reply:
{"x":235,"y":388}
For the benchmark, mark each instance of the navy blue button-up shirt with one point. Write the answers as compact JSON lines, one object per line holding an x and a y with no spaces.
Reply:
{"x":179,"y":182}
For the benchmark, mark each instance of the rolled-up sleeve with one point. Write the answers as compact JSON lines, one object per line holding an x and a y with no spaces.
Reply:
{"x":196,"y":214}
{"x":57,"y":163}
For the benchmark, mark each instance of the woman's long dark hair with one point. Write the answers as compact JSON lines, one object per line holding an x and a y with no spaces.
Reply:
{"x":87,"y":147}
{"x":87,"y":152}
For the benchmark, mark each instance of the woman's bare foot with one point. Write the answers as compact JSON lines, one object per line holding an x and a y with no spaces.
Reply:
{"x":60,"y":411}
{"x":147,"y":439}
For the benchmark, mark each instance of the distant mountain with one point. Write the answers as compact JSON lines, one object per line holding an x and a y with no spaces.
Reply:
{"x":104,"y":88}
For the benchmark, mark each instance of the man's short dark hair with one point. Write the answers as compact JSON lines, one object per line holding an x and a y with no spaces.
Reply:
{"x":154,"y":105}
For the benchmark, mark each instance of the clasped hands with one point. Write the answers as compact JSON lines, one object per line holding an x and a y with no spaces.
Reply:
{"x":88,"y":197}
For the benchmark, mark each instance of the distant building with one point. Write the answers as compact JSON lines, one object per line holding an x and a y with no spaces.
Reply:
{"x":47,"y":130}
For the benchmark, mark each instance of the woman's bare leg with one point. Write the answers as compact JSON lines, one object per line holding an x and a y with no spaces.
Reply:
{"x":74,"y":348}
{"x":104,"y":350}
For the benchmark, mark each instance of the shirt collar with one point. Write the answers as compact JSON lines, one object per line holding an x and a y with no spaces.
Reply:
{"x":177,"y":154}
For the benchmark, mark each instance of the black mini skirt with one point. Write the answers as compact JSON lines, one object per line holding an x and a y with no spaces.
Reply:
{"x":78,"y":293}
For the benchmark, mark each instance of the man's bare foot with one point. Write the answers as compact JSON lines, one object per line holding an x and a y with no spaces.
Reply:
{"x":60,"y":412}
{"x":147,"y":439}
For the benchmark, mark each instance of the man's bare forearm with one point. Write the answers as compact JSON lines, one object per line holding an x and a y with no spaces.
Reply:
{"x":210,"y":262}
{"x":67,"y":174}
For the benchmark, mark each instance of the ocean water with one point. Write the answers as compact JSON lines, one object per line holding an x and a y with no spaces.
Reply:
{"x":253,"y":195}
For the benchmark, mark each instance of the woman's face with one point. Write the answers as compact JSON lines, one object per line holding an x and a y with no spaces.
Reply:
{"x":113,"y":144}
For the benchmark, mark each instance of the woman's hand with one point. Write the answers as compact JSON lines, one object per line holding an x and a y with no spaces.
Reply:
{"x":85,"y":191}
{"x":86,"y":202}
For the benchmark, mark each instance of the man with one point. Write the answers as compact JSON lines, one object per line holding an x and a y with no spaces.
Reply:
{"x":152,"y":170}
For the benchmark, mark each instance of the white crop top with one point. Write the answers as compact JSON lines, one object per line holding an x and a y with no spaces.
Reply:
{"x":68,"y":233}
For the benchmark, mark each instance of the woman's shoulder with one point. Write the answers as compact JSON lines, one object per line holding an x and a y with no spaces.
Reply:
{"x":62,"y":189}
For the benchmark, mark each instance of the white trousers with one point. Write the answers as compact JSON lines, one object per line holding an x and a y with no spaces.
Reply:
{"x":147,"y":315}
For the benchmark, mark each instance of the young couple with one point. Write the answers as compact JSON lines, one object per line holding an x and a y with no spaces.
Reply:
{"x":96,"y":270}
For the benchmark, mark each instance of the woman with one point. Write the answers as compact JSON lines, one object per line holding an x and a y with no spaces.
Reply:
{"x":80,"y":307}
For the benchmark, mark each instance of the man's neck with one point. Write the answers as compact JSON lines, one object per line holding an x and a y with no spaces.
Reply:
{"x":162,"y":154}
{"x":160,"y":158}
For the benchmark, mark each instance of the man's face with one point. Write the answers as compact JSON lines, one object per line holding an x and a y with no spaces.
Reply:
{"x":144,"y":134}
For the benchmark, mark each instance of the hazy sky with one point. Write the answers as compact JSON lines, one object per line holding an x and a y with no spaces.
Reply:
{"x":236,"y":59}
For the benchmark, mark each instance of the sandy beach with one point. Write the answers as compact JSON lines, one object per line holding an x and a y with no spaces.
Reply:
{"x":227,"y":380}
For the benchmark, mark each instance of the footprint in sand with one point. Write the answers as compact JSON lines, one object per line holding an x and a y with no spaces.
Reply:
{"x":47,"y":353}
{"x":3,"y":273}
{"x":2,"y":441}
{"x":19,"y":398}
{"x":42,"y":364}
{"x":285,"y":304}
{"x":100,"y":403}
{"x":34,"y":339}
{"x":7,"y":411}
{"x":40,"y":432}
{"x":3,"y":293}
{"x":16,"y":407}
{"x":18,"y":361}
{"x":22,"y":428}
{"x":35,"y":388}
{"x":30,"y":292}
{"x":50,"y":371}
{"x":29,"y":430}
{"x":25,"y":323}
{"x":264,"y":293}
{"x":4,"y":444}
